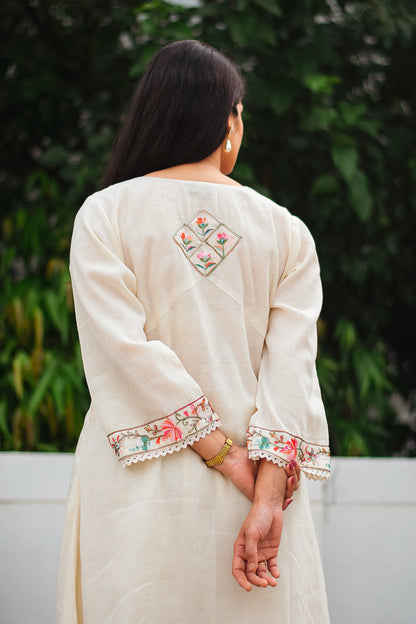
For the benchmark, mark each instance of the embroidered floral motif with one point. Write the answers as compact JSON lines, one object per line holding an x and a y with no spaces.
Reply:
{"x":281,"y":447}
{"x":205,"y":260}
{"x":222,"y":238}
{"x":205,"y":242}
{"x":203,"y":226}
{"x":187,"y":242}
{"x":171,"y":433}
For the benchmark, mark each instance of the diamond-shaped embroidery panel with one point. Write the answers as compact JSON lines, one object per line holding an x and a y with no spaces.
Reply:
{"x":206,"y":242}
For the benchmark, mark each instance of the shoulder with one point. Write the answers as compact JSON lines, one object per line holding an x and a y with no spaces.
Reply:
{"x":283,"y":220}
{"x":110,"y":195}
{"x":106,"y":203}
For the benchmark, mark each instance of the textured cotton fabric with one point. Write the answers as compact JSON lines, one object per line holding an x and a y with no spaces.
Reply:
{"x":196,"y":306}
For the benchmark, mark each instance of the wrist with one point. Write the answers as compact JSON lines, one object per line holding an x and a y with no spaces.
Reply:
{"x":229,"y":460}
{"x":210,"y":445}
{"x":219,"y":457}
{"x":270,"y":484}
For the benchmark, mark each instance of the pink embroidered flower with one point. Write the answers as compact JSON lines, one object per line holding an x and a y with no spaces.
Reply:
{"x":206,"y":258}
{"x":291,"y":448}
{"x":222,"y":238}
{"x":170,"y":431}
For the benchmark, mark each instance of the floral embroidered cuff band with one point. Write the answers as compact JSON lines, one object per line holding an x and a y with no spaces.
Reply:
{"x":280,"y":447}
{"x":166,"y":435}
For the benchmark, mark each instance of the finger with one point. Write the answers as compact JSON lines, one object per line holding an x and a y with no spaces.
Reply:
{"x":251,"y":554}
{"x":293,"y":469}
{"x":238,"y":570}
{"x":239,"y":563}
{"x":290,"y":469}
{"x":286,"y":503}
{"x":257,"y":578}
{"x":290,"y":487}
{"x":263,"y":573}
{"x":273,"y":568}
{"x":294,"y":481}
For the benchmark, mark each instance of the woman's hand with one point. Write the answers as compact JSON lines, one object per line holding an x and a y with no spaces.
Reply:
{"x":257,"y":544}
{"x":292,"y":483}
{"x":241,"y":470}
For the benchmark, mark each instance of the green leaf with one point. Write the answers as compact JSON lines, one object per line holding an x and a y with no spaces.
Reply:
{"x":351,"y":113}
{"x":4,"y":429}
{"x":303,"y":61}
{"x":369,"y":126}
{"x":271,"y":6}
{"x":318,"y":119}
{"x":246,"y":28}
{"x":282,"y":94}
{"x":360,"y":196}
{"x":355,"y":444}
{"x":56,"y":156}
{"x":41,"y":388}
{"x":345,"y":158}
{"x":321,"y":83}
{"x":143,"y":58}
{"x":346,"y":334}
{"x":325,"y":184}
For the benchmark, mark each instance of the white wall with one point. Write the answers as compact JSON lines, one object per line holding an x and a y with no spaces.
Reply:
{"x":365,"y":519}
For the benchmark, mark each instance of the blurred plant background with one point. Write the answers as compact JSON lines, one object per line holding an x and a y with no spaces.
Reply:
{"x":329,"y":132}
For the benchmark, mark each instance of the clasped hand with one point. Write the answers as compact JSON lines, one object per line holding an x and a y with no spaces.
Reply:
{"x":271,"y":488}
{"x":242,"y":472}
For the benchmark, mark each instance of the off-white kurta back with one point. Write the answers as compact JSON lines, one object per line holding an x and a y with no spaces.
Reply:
{"x":196,"y":307}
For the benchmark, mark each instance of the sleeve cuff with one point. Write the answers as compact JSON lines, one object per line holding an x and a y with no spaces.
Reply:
{"x":166,"y":435}
{"x":281,"y":447}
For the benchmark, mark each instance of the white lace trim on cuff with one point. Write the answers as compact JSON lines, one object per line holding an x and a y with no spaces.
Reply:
{"x":166,"y":435}
{"x":280,"y":447}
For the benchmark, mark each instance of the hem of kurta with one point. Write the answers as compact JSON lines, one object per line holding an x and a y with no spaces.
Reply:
{"x":281,"y":447}
{"x":165,"y":435}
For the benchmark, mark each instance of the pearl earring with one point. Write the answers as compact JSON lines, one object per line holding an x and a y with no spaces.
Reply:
{"x":228,"y":146}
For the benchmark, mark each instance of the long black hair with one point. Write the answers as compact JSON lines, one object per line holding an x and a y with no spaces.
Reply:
{"x":179,"y":111}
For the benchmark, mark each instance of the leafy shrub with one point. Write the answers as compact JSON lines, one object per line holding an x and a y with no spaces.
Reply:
{"x":329,"y":133}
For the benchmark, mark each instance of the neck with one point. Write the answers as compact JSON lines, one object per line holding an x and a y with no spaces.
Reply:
{"x":207,"y":170}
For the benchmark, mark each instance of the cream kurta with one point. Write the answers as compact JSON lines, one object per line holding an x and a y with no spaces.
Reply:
{"x":196,"y":307}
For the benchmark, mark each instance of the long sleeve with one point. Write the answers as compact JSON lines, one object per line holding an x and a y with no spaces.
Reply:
{"x":290,"y":420}
{"x":146,"y":401}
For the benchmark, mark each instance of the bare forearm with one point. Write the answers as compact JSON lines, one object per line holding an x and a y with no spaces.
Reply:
{"x":209,"y":446}
{"x":272,"y":490}
{"x":270,"y":485}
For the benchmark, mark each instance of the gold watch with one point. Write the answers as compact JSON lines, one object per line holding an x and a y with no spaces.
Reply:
{"x":219,"y":458}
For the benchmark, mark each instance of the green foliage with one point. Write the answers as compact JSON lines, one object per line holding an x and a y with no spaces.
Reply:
{"x":329,"y":132}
